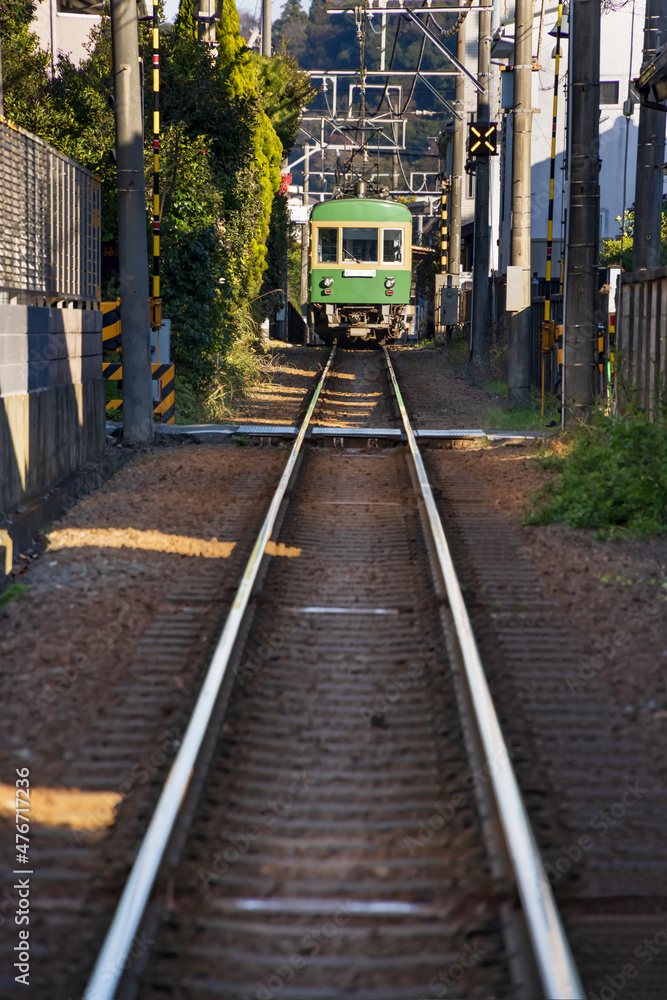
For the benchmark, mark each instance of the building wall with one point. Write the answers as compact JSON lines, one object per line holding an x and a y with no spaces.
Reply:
{"x":616,"y":169}
{"x":52,"y":410}
{"x":620,"y":59}
{"x":63,"y":33}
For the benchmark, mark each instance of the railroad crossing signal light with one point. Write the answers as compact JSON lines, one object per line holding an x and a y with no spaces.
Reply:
{"x":483,"y":138}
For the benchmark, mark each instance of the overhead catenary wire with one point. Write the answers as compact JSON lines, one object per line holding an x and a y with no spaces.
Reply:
{"x":391,"y":63}
{"x":455,"y":27}
{"x":362,"y":19}
{"x":415,"y":77}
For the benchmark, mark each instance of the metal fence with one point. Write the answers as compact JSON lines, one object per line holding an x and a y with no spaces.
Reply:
{"x":641,"y":338}
{"x":49,"y":222}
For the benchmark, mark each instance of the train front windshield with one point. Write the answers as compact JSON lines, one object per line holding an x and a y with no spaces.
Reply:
{"x":360,"y":245}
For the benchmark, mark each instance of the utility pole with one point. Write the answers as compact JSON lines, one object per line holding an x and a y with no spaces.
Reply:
{"x":132,"y":247}
{"x":305,"y":241}
{"x":650,"y":154}
{"x":480,"y":267}
{"x":2,"y":92}
{"x":580,"y":341}
{"x":520,"y":333}
{"x":206,"y":24}
{"x":266,"y":28}
{"x":458,"y":142}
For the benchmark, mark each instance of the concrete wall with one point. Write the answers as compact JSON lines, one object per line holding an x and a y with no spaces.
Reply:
{"x":52,"y":414}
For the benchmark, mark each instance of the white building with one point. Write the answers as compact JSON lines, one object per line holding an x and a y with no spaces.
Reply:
{"x":620,"y":59}
{"x":63,"y":27}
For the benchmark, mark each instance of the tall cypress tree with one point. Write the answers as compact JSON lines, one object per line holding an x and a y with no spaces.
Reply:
{"x":185,"y":25}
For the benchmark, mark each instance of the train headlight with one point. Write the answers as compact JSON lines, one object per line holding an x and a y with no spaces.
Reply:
{"x":389,"y":282}
{"x":328,"y":282}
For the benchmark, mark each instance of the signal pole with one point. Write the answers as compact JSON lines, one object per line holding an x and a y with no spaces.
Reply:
{"x":480,"y":267}
{"x":266,"y":28}
{"x":454,"y":261}
{"x":132,"y":247}
{"x":520,"y":333}
{"x":650,"y":154}
{"x":580,"y":341}
{"x":444,"y":227}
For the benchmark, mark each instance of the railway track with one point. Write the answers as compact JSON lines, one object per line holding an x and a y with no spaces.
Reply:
{"x":341,"y":820}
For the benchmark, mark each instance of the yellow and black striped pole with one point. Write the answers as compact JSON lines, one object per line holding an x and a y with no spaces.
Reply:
{"x":444,"y":228}
{"x":156,"y":303}
{"x":548,"y":329}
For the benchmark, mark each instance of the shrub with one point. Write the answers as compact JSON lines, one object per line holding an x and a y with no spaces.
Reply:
{"x":613,"y":479}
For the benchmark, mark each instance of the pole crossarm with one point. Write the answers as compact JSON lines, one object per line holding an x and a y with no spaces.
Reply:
{"x":442,"y":100}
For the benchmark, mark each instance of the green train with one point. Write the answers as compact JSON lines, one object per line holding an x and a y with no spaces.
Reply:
{"x":360,"y":270}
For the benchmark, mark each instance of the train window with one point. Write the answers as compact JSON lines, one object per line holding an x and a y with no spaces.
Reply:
{"x":327,"y":246}
{"x":392,"y":246}
{"x":360,"y":245}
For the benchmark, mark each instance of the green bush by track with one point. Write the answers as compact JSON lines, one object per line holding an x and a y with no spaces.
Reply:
{"x":612,"y":478}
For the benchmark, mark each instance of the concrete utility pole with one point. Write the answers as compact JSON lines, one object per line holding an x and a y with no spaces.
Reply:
{"x":480,"y":268}
{"x":2,"y":92}
{"x":650,"y":154}
{"x":266,"y":28}
{"x":305,"y":242}
{"x":206,"y":23}
{"x":581,"y":283}
{"x":458,"y":143}
{"x":520,"y":339}
{"x":132,"y":246}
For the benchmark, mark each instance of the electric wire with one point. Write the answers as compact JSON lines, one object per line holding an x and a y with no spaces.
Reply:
{"x":391,"y":63}
{"x":362,"y":22}
{"x":457,"y":24}
{"x":416,"y":76}
{"x":400,"y":164}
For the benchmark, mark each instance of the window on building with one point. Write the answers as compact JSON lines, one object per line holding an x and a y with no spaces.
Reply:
{"x":80,"y":7}
{"x":327,"y":246}
{"x":360,"y":245}
{"x":392,"y":246}
{"x":609,"y":92}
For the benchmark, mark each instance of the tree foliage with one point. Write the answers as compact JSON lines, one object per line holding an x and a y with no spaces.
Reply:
{"x":185,"y":24}
{"x":225,"y":125}
{"x":283,"y":91}
{"x":619,"y":249}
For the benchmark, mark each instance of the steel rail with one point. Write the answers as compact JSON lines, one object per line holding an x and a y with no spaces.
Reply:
{"x":118,"y":941}
{"x":555,"y":963}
